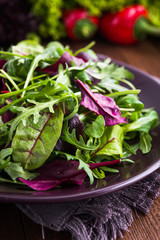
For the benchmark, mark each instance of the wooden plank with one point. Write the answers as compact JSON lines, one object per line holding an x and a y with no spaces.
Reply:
{"x":144,"y":55}
{"x":35,"y":231}
{"x":11,"y":227}
{"x":145,"y":227}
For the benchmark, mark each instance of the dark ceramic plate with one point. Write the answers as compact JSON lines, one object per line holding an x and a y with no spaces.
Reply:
{"x":128,"y":173}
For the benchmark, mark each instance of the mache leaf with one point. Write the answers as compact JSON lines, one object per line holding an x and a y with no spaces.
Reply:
{"x":145,"y":142}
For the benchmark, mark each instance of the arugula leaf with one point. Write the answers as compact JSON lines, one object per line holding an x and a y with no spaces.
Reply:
{"x":72,"y":139}
{"x":35,"y":111}
{"x":82,"y":165}
{"x":49,"y":52}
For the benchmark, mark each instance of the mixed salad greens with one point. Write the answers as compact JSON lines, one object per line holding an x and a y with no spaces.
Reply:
{"x":66,"y":115}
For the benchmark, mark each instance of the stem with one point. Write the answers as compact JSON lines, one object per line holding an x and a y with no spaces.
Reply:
{"x":14,"y":78}
{"x":115,"y":94}
{"x":143,"y":28}
{"x":102,"y":164}
{"x":10,"y":79}
{"x":30,"y":73}
{"x":85,"y":48}
{"x":14,"y":54}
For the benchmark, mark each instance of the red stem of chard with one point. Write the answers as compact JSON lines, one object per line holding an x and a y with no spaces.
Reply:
{"x":102,"y":164}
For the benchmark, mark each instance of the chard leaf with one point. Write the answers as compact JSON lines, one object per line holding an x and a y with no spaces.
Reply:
{"x":33,"y":143}
{"x":72,"y":139}
{"x":101,"y":105}
{"x":145,"y":142}
{"x":96,"y":129}
{"x":144,"y":123}
{"x":111,"y":142}
{"x":35,"y":111}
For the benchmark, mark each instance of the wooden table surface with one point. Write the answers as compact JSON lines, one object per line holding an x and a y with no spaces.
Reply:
{"x":14,"y":225}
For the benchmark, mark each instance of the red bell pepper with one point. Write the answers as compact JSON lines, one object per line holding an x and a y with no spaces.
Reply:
{"x":127,"y":26}
{"x":79,"y":25}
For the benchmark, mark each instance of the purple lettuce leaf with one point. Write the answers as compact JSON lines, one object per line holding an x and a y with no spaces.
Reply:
{"x":64,"y":146}
{"x":2,"y":85}
{"x":7,"y":116}
{"x":66,"y":58}
{"x":61,"y":171}
{"x":85,"y":56}
{"x":2,"y":63}
{"x":75,"y":123}
{"x":101,"y":105}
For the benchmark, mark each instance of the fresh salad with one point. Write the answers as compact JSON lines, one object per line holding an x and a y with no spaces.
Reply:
{"x":66,"y":116}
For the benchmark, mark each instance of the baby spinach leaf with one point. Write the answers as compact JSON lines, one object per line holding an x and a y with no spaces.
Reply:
{"x":33,"y":143}
{"x":96,"y":129}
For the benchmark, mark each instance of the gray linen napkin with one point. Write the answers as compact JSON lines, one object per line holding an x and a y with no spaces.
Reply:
{"x":100,"y":218}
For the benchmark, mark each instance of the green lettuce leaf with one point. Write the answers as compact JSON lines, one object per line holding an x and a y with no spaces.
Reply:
{"x":111,"y":142}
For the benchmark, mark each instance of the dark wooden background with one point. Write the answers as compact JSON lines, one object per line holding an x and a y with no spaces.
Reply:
{"x":14,"y":225}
